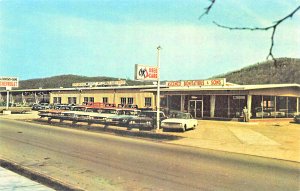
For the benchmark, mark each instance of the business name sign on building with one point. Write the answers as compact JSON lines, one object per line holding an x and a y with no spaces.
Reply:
{"x":239,"y":97}
{"x":95,"y":84}
{"x":146,"y":73}
{"x":212,"y":82}
{"x":9,"y":82}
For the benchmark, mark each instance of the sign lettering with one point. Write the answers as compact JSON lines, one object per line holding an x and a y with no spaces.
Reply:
{"x":146,"y":73}
{"x":9,"y":82}
{"x":95,"y":84}
{"x":188,"y":83}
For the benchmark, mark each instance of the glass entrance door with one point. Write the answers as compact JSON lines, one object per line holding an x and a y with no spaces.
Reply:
{"x":195,"y":108}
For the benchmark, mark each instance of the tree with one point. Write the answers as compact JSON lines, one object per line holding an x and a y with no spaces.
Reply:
{"x":271,"y":27}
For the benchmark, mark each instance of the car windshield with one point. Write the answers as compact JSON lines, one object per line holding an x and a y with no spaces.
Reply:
{"x":109,"y":111}
{"x":151,"y":114}
{"x":181,"y":115}
{"x":131,"y":112}
{"x":91,"y":110}
{"x":79,"y":109}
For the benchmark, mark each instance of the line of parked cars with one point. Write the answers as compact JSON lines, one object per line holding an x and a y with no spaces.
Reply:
{"x":120,"y":116}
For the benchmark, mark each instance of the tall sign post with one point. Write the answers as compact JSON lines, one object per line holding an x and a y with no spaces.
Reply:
{"x":7,"y":96}
{"x":8,"y":83}
{"x":158,"y":90}
{"x":151,"y":73}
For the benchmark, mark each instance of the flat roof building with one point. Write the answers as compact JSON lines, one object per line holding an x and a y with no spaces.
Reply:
{"x":202,"y":98}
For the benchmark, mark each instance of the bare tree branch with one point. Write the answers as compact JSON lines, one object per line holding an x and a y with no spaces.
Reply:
{"x":207,"y":9}
{"x":273,"y":27}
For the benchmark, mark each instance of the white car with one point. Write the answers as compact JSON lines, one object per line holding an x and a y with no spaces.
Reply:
{"x":181,"y":121}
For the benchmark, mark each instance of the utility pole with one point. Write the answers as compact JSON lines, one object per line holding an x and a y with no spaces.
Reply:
{"x":158,"y":90}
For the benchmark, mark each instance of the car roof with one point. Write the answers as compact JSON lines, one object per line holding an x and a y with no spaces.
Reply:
{"x":152,"y":111}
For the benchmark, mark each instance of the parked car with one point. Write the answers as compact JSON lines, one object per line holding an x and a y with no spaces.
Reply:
{"x":297,"y":118}
{"x":146,"y":120}
{"x":268,"y":112}
{"x":78,"y":108}
{"x":53,"y":113}
{"x":179,"y":120}
{"x":40,"y":106}
{"x":108,"y":112}
{"x":123,"y":117}
{"x":62,"y":107}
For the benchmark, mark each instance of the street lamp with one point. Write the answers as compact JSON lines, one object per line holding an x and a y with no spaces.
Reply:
{"x":158,"y":90}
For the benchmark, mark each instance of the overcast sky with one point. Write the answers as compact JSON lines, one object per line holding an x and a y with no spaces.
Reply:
{"x":42,"y":38}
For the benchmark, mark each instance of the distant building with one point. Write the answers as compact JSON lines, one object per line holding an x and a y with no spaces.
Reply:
{"x":202,"y":98}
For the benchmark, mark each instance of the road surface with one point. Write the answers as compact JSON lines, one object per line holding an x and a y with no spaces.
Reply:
{"x":95,"y":161}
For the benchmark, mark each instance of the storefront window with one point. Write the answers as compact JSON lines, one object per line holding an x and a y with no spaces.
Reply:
{"x":123,"y":100}
{"x":174,"y":102}
{"x":57,"y":100}
{"x":72,"y":100}
{"x":130,"y":100}
{"x":292,"y":106}
{"x":281,"y":106}
{"x":92,"y":99}
{"x":148,"y":101}
{"x":236,"y":105}
{"x":221,"y":109}
{"x":105,"y":99}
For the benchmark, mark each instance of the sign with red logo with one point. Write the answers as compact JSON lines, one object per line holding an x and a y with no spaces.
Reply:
{"x":9,"y":82}
{"x":146,"y":73}
{"x":212,"y":82}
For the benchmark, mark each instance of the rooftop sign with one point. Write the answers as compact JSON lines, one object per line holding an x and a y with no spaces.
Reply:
{"x":212,"y":82}
{"x":146,"y":73}
{"x":9,"y":82}
{"x":95,"y":84}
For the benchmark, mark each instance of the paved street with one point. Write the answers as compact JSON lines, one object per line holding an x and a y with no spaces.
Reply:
{"x":94,"y":161}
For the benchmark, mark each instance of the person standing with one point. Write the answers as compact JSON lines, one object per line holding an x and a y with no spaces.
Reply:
{"x":245,"y":114}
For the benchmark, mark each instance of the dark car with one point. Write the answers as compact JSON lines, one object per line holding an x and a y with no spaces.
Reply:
{"x":146,"y":120}
{"x":123,"y":117}
{"x":62,"y":107}
{"x":297,"y":118}
{"x":40,"y":106}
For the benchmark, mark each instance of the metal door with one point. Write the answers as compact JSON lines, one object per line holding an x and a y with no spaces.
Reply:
{"x":195,"y":108}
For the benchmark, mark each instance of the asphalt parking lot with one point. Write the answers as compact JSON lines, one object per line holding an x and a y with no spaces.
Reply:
{"x":277,"y":139}
{"x":272,"y":139}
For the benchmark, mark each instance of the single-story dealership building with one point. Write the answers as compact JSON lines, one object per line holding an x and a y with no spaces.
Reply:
{"x":214,"y":98}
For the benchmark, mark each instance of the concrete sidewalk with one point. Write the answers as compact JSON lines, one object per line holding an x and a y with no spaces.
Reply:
{"x":277,"y":139}
{"x":12,"y":181}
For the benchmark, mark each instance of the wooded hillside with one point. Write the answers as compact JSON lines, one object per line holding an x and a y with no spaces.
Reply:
{"x":66,"y":81}
{"x":287,"y":71}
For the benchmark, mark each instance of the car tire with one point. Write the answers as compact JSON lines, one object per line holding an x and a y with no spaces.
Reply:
{"x":184,"y":128}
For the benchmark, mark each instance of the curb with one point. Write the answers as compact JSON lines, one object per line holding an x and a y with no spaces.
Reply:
{"x":37,"y":177}
{"x":111,"y":130}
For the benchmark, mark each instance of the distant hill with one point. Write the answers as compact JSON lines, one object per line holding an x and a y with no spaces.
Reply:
{"x":66,"y":81}
{"x":286,"y":71}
